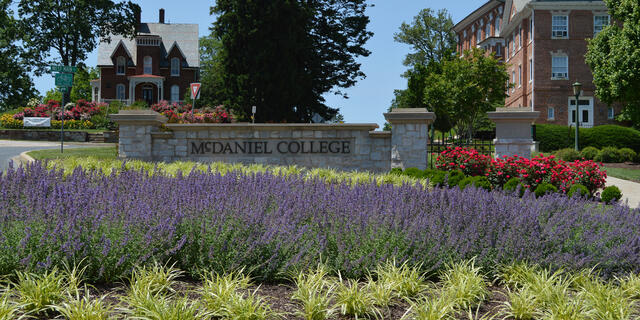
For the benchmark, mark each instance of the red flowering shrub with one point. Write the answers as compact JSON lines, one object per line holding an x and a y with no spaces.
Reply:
{"x":532,"y":172}
{"x":182,"y":113}
{"x":83,"y":110}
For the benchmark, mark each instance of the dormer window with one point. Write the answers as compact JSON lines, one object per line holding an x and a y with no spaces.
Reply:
{"x":121,"y":64}
{"x":175,"y":66}
{"x":147,"y":65}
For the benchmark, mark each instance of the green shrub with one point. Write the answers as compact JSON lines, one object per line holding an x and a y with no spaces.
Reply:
{"x":454,"y":177}
{"x":589,"y":153}
{"x":438,"y":177}
{"x":609,"y":155}
{"x":413,"y":172}
{"x":545,"y":188}
{"x":611,"y":194}
{"x":512,"y":185}
{"x":482,"y":182}
{"x":568,"y":154}
{"x":428,"y":173}
{"x":465,"y":182}
{"x":578,"y":188}
{"x":627,"y":155}
{"x":555,"y":137}
{"x":396,"y":171}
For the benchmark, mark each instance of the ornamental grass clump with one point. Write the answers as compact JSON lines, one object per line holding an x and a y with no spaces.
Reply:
{"x":218,"y":290}
{"x":405,"y":281}
{"x":314,"y":294}
{"x":463,"y":284}
{"x":352,"y":299}
{"x":84,"y":306}
{"x":38,"y":293}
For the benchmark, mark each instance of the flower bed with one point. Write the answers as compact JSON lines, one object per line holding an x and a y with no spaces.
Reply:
{"x":182,"y":113}
{"x":274,"y":224}
{"x":533,"y":172}
{"x":83,"y":115}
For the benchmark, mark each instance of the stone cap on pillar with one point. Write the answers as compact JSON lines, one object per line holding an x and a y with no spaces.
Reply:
{"x":513,"y":115}
{"x":409,"y":115}
{"x":138,"y":117}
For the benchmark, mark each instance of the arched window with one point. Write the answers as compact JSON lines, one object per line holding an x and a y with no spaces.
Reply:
{"x":175,"y":93}
{"x":147,"y":65}
{"x":121,"y":65}
{"x":120,"y":91}
{"x":175,"y":66}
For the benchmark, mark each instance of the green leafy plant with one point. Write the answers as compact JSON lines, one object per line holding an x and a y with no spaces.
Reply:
{"x":9,"y":310}
{"x":465,"y":182}
{"x":521,"y":304}
{"x":568,"y":154}
{"x":545,"y":188}
{"x":517,"y":274}
{"x":454,"y":177}
{"x":463,"y":284}
{"x":314,"y":293}
{"x":578,"y":189}
{"x":589,"y":153}
{"x":382,"y":292}
{"x":604,"y":300}
{"x":428,"y":308}
{"x":354,"y":300}
{"x":482,"y":182}
{"x":39,"y":293}
{"x":627,"y":155}
{"x":165,"y":308}
{"x":514,"y":184}
{"x":218,"y":290}
{"x":413,"y":172}
{"x":609,"y":155}
{"x":84,"y":307}
{"x":396,"y":171}
{"x":247,"y":307}
{"x":611,"y":194}
{"x":154,"y":279}
{"x":407,"y":282}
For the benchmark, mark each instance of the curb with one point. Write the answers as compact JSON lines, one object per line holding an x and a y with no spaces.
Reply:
{"x":24,"y":157}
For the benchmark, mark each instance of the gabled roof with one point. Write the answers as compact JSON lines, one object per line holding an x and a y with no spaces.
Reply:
{"x":176,"y":46}
{"x":489,"y":5}
{"x":183,"y":35}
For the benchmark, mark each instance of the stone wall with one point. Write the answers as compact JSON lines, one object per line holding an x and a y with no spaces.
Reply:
{"x":144,"y":134}
{"x":54,"y":135}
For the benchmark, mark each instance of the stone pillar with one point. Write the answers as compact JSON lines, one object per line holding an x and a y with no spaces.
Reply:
{"x":513,"y":132}
{"x":136,"y":127}
{"x":409,"y":136}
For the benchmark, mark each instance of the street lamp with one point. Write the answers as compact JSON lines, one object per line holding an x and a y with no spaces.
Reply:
{"x":577,"y":88}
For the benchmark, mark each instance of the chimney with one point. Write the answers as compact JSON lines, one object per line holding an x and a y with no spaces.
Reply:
{"x":161,"y":16}
{"x":136,"y":14}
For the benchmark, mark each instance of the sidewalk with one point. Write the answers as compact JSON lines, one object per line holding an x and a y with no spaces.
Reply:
{"x":630,"y":191}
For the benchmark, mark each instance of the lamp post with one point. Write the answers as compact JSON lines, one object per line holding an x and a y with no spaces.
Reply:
{"x":577,"y":88}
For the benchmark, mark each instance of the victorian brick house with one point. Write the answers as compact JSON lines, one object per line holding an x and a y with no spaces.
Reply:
{"x":158,"y":64}
{"x":543,"y":43}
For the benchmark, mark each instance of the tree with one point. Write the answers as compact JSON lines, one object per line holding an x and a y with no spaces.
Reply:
{"x":433,"y":41}
{"x":283,"y":55}
{"x":467,"y":88}
{"x":82,"y":83}
{"x":16,"y":87}
{"x":210,"y":71}
{"x":614,"y":58}
{"x":71,"y":28}
{"x":431,"y":37}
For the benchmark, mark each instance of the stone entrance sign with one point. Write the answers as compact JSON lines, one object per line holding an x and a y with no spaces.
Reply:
{"x":144,"y":134}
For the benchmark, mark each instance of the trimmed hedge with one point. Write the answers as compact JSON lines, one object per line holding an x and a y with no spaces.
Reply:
{"x":555,"y":137}
{"x":611,"y":194}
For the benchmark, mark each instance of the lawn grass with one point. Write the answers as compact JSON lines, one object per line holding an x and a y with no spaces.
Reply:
{"x":626,"y":174}
{"x":96,"y":152}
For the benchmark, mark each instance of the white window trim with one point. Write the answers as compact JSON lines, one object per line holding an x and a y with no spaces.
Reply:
{"x":567,"y":75}
{"x":589,"y":108}
{"x":519,"y":76}
{"x":531,"y":29}
{"x":177,"y":73}
{"x":496,"y":31}
{"x":144,"y":65}
{"x":513,"y":80}
{"x":551,"y":113}
{"x":520,"y":37}
{"x":123,"y":91}
{"x":175,"y":86}
{"x":124,"y":65}
{"x":530,"y":70}
{"x":567,"y":25}
{"x":603,"y":26}
{"x":611,"y":113}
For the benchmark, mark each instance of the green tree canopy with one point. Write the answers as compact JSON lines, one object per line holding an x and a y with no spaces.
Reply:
{"x":81,"y":83}
{"x":431,"y":37}
{"x":467,"y":88}
{"x":614,"y":58}
{"x":210,"y":72}
{"x":16,"y":87}
{"x":283,"y":55}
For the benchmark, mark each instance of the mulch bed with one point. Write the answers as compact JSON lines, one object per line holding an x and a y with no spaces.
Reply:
{"x":626,"y":165}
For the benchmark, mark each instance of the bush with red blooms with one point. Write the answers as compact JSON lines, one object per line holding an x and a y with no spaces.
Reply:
{"x":182,"y":113}
{"x":532,"y":172}
{"x":83,"y":110}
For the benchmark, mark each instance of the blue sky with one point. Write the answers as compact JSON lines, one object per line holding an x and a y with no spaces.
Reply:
{"x":370,"y":97}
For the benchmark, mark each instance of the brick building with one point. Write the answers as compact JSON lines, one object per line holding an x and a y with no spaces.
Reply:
{"x":543,"y":43}
{"x":158,"y":64}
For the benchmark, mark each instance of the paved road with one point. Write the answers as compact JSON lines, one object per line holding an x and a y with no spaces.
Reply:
{"x":630,"y":191}
{"x":13,"y":148}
